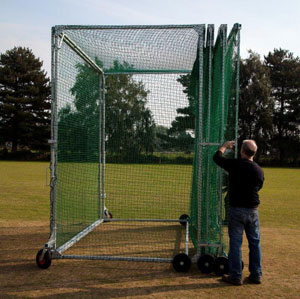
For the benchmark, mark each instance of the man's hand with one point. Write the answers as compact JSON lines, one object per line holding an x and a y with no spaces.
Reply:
{"x":226,"y":145}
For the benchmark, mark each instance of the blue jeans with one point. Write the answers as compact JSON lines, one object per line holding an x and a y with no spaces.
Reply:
{"x":241,"y":219}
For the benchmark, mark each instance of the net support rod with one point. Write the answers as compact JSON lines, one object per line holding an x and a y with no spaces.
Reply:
{"x":144,"y":220}
{"x":101,"y":169}
{"x":79,"y":236}
{"x":223,"y":39}
{"x":53,"y":142}
{"x":237,"y":91}
{"x":100,"y":208}
{"x":224,"y":46}
{"x":80,"y":52}
{"x":199,"y":146}
{"x":210,"y":143}
{"x":149,"y":72}
{"x":103,"y":145}
{"x":113,"y":258}
{"x":114,"y":27}
{"x":209,"y":45}
{"x":210,"y":245}
{"x":187,"y":228}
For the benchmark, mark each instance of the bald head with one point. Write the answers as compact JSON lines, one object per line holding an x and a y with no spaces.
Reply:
{"x":249,"y":148}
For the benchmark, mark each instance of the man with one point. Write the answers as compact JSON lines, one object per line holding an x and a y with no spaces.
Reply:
{"x":245,"y":180}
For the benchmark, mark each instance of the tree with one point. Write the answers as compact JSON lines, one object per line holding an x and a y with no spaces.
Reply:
{"x":129,"y":127}
{"x":24,"y":100}
{"x":160,"y":141}
{"x":180,"y":135}
{"x":285,"y":73}
{"x":255,"y":104}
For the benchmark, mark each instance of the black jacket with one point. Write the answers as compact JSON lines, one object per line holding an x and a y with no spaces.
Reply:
{"x":246,"y":178}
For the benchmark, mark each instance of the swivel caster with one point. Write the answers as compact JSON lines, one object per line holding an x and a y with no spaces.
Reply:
{"x":43,"y":260}
{"x":183,"y":219}
{"x":181,"y":262}
{"x":220,"y":266}
{"x":205,"y":263}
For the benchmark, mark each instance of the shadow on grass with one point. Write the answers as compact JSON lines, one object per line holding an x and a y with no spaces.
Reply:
{"x":138,"y":291}
{"x":21,"y":278}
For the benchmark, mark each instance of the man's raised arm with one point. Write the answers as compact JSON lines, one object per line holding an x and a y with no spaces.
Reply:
{"x":218,"y":156}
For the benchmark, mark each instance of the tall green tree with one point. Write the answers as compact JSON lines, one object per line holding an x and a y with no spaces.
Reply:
{"x":24,"y":100}
{"x":129,"y":127}
{"x":285,"y":79}
{"x":255,"y":103}
{"x":180,"y":136}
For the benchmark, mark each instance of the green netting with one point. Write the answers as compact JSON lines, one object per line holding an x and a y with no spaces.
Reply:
{"x":126,"y":157}
{"x":130,"y":139}
{"x":208,"y":211}
{"x":77,"y":204}
{"x":144,"y":49}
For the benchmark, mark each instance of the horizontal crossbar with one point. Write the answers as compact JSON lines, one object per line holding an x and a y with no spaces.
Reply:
{"x":113,"y":258}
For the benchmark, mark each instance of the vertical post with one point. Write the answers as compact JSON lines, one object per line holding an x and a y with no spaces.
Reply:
{"x":187,"y":228}
{"x":209,"y":45}
{"x":237,"y":89}
{"x":224,"y":46}
{"x":223,"y":35}
{"x":100,"y":211}
{"x":53,"y":141}
{"x":101,"y":169}
{"x":200,"y":140}
{"x":103,"y":145}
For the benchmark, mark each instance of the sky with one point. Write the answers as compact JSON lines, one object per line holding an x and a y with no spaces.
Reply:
{"x":266,"y":24}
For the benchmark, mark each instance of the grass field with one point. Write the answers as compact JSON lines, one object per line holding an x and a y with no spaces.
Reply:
{"x":24,"y":227}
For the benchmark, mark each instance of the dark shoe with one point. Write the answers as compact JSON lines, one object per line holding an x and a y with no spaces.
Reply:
{"x":256,"y":280}
{"x":236,"y":282}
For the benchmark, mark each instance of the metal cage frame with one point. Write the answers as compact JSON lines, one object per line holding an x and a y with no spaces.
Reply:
{"x":58,"y":38}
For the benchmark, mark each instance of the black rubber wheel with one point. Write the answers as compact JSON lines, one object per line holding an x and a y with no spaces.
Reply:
{"x":108,"y":215}
{"x":221,"y":266}
{"x":181,"y":262}
{"x":183,"y":218}
{"x":205,"y":263}
{"x":45,"y":262}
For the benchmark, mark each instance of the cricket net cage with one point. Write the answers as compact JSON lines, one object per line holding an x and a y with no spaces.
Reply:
{"x":137,"y":114}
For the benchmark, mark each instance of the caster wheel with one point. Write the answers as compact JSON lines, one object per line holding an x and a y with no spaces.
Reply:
{"x":181,"y":262}
{"x":44,"y":262}
{"x":205,"y":263}
{"x":183,"y":218}
{"x":108,"y":215}
{"x":220,"y":266}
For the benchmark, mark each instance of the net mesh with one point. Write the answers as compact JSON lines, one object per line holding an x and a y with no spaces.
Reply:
{"x":208,"y":211}
{"x":143,"y":49}
{"x":137,"y":157}
{"x":77,"y":149}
